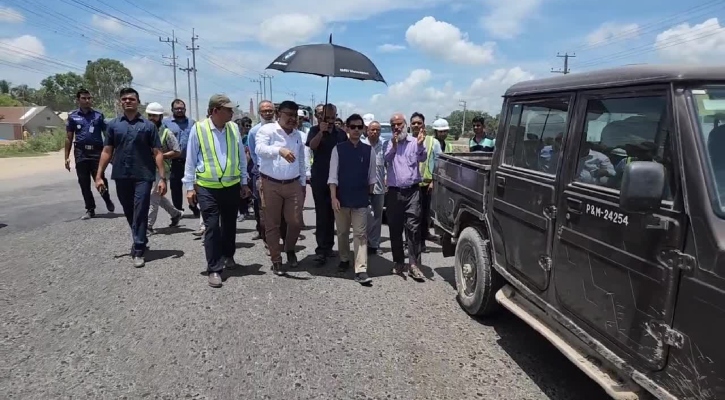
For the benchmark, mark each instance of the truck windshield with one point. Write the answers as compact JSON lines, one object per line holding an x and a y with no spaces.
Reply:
{"x":710,"y":107}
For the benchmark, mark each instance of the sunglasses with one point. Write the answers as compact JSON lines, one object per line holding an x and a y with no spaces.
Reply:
{"x":358,"y":127}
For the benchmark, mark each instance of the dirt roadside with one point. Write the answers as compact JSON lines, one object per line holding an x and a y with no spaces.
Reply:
{"x":21,"y":167}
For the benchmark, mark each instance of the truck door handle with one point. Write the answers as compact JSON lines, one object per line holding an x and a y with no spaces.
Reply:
{"x":500,"y":182}
{"x":574,"y":206}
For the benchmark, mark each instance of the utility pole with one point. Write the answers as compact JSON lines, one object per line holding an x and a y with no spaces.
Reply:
{"x":259,"y":97}
{"x":294,"y":96}
{"x":261,"y":91}
{"x":463,"y":103}
{"x":263,"y":78}
{"x":173,"y":65}
{"x":312,"y":101}
{"x":188,"y":70}
{"x":270,"y":87}
{"x":566,"y":58}
{"x":193,"y":49}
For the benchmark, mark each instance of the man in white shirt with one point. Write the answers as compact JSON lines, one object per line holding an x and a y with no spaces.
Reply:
{"x":282,"y":172}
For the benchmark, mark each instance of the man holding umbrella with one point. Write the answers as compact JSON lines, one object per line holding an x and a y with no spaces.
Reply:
{"x":322,"y":139}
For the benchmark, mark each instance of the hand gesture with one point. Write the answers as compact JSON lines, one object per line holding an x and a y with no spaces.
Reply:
{"x":101,"y":186}
{"x":324,"y":126}
{"x":161,"y":187}
{"x":335,"y":204}
{"x":191,"y":197}
{"x":421,"y":136}
{"x":287,"y":154}
{"x":67,"y":164}
{"x":246,"y":192}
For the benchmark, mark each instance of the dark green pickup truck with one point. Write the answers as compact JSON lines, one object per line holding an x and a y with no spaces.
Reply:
{"x":600,"y":221}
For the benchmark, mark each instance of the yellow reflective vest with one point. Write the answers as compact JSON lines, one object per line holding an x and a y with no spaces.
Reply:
{"x":426,"y":168}
{"x":214,"y":176}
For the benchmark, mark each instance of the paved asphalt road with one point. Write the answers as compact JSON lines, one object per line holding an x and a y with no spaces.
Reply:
{"x":77,"y":321}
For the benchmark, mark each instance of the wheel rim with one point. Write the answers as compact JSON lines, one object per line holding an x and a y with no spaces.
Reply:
{"x":468,"y":270}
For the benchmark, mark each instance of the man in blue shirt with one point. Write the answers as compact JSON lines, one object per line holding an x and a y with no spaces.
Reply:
{"x":134,"y":144}
{"x":266,"y":116}
{"x":84,"y":131}
{"x":179,"y":125}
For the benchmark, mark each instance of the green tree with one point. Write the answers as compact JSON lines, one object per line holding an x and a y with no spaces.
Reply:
{"x":5,"y":86}
{"x":104,"y":78}
{"x":7,"y":101}
{"x":59,"y":91}
{"x":455,"y":120}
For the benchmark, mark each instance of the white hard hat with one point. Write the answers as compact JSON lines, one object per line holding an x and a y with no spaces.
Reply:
{"x":441,"y":125}
{"x":368,"y":119}
{"x":301,"y":113}
{"x":155,"y":108}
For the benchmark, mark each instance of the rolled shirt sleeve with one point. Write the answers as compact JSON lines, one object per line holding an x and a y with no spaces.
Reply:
{"x":192,"y":154}
{"x":334,"y":163}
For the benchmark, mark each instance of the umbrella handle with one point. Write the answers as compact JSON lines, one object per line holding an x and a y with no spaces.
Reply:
{"x":327,"y":89}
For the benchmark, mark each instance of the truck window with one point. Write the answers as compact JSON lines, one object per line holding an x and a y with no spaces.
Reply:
{"x":710,"y":108}
{"x":535,"y":133}
{"x":621,"y":130}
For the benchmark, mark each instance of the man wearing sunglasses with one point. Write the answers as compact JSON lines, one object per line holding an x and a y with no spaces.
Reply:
{"x":322,"y":139}
{"x":352,"y":177}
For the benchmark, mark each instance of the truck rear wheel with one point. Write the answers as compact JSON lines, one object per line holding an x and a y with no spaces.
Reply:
{"x":476,"y":279}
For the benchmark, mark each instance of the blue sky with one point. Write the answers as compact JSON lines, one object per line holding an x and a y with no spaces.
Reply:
{"x":433,"y":53}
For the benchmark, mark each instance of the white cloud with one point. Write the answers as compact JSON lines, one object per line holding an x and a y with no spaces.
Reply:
{"x":285,"y":30}
{"x":21,"y":49}
{"x":698,"y":43}
{"x":390,"y":48}
{"x":111,"y":25}
{"x":416,"y":93}
{"x":612,"y":31}
{"x":10,"y":15}
{"x":445,"y":41}
{"x":506,"y":19}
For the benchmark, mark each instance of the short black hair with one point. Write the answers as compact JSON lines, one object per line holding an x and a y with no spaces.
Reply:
{"x":338,"y":120}
{"x":246,"y":119}
{"x":352,"y":118}
{"x":82,"y":92}
{"x":419,"y":115}
{"x":177,"y":101}
{"x":288,"y":105}
{"x":479,"y":119}
{"x":128,"y":90}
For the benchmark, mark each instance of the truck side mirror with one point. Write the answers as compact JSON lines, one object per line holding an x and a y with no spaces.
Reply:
{"x":643,"y":185}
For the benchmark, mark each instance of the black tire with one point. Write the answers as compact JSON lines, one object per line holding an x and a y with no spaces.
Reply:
{"x":472,"y":248}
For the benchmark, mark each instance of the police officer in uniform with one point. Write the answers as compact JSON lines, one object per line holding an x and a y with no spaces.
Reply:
{"x":84,"y":132}
{"x":215,"y":177}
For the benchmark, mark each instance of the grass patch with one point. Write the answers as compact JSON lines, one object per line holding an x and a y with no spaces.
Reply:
{"x":37,"y":145}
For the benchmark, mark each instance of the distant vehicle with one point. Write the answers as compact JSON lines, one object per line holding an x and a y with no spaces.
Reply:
{"x":599,"y":220}
{"x":386,"y":131}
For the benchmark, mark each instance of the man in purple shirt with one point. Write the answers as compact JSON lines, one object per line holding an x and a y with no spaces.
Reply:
{"x":403,"y":198}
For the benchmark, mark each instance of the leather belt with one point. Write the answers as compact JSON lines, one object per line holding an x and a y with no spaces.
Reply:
{"x":280,"y":181}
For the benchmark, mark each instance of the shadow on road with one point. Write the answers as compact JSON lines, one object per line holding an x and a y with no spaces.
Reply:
{"x":172,"y":230}
{"x":239,"y":271}
{"x":553,"y":373}
{"x":448,"y":275}
{"x":245,"y":230}
{"x":153,"y":255}
{"x":99,"y":216}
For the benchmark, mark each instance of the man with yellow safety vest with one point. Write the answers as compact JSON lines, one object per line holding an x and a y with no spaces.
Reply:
{"x":215,"y":177}
{"x":434,"y":145}
{"x":170,"y":149}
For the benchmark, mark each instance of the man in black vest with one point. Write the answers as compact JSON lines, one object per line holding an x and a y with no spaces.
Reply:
{"x":352,"y":178}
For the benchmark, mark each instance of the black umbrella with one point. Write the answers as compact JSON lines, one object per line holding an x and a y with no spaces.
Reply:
{"x":328,"y":60}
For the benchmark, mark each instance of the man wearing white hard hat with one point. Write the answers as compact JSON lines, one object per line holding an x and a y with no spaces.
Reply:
{"x":171,"y":150}
{"x":434,"y":145}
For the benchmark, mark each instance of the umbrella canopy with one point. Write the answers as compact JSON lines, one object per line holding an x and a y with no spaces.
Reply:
{"x":328,"y":60}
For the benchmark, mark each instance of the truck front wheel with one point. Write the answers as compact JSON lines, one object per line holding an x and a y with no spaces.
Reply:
{"x":476,"y":279}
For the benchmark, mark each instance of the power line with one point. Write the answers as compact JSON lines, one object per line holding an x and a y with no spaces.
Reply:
{"x":566,"y":58}
{"x":173,"y":42}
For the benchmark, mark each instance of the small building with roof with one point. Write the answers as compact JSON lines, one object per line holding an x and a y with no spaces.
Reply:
{"x":34,"y":119}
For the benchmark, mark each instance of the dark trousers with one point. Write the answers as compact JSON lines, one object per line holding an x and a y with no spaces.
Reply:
{"x":244,"y":201}
{"x":425,"y":196}
{"x":403,"y":214}
{"x":86,"y":171}
{"x":135,"y":198}
{"x":324,"y":219}
{"x":219,"y":209}
{"x":175,"y":185}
